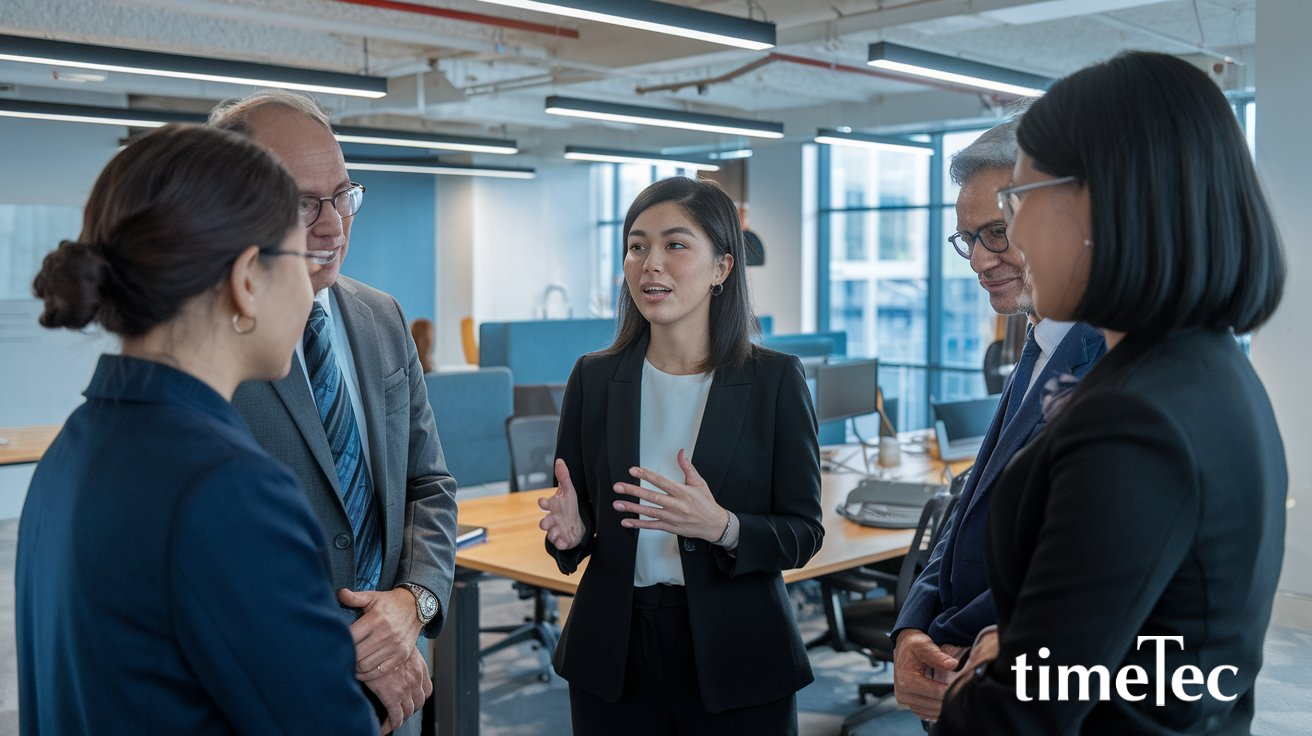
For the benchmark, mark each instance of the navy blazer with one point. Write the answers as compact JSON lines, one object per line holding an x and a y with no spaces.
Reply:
{"x":951,"y":600}
{"x":757,"y":451}
{"x":1154,"y":506}
{"x":171,"y":578}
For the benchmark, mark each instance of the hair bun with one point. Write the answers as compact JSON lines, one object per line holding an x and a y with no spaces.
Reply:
{"x":70,"y":284}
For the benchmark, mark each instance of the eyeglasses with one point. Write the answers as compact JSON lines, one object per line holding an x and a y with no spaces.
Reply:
{"x":992,"y":236}
{"x":347,"y":202}
{"x":311,"y":260}
{"x":1009,"y":198}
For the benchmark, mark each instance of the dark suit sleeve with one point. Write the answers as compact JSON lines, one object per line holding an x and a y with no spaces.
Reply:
{"x":1120,"y":516}
{"x":569,"y":447}
{"x":792,"y":532}
{"x":254,"y":613}
{"x":923,"y":600}
{"x":428,"y":551}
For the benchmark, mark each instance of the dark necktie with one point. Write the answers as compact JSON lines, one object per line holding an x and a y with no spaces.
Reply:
{"x":344,"y":440}
{"x":1020,"y":378}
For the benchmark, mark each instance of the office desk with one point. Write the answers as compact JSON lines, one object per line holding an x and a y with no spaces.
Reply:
{"x":514,"y":550}
{"x":26,"y":444}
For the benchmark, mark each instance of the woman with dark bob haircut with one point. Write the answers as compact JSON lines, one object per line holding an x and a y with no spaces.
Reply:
{"x":1135,"y":545}
{"x":171,"y":577}
{"x":681,"y":624}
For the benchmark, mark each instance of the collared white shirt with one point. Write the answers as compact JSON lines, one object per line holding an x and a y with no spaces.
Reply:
{"x":1048,"y":333}
{"x":345,"y":363}
{"x":670,"y":418}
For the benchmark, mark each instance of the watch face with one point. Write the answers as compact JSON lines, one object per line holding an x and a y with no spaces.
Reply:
{"x":428,"y":605}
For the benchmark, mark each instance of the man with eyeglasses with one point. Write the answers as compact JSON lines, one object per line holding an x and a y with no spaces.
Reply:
{"x":950,"y":603}
{"x":353,"y":421}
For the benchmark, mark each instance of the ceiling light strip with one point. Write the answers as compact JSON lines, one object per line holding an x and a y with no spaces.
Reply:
{"x":647,"y":15}
{"x":442,"y":169}
{"x":611,"y":155}
{"x":833,"y":137}
{"x":178,"y":66}
{"x":928,"y":65}
{"x":615,"y":112}
{"x":58,"y":111}
{"x":433,"y":141}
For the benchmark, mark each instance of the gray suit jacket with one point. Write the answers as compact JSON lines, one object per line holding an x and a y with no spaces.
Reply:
{"x":415,"y":493}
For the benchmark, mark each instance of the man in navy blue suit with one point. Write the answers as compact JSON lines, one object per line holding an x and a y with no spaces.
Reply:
{"x":950,"y":603}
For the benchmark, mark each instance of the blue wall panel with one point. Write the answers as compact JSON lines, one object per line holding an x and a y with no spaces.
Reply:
{"x":394,"y":237}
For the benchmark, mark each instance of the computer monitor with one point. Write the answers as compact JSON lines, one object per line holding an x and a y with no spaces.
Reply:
{"x":846,"y":388}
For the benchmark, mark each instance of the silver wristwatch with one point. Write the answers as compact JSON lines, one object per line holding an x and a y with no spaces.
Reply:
{"x":425,"y":602}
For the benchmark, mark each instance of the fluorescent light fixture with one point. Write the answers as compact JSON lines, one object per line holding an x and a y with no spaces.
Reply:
{"x":928,"y":65}
{"x":883,"y":143}
{"x":441,"y":169}
{"x":731,"y":155}
{"x":382,"y":137}
{"x":611,"y":155}
{"x":132,"y":61}
{"x":615,"y":112}
{"x":91,"y":114}
{"x":676,"y":20}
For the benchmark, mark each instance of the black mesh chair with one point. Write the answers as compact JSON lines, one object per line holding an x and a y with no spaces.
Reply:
{"x":995,"y":370}
{"x":864,"y":625}
{"x":532,"y":442}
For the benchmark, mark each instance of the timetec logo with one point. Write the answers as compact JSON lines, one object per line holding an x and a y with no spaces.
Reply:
{"x":1126,"y":678}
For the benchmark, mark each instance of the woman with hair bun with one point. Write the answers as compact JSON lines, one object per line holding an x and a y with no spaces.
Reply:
{"x":170,"y":574}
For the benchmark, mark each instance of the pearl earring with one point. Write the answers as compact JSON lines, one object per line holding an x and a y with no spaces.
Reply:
{"x":1088,"y":243}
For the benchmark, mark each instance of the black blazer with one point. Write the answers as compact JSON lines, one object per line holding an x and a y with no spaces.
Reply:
{"x":758,"y":452}
{"x":1153,"y":505}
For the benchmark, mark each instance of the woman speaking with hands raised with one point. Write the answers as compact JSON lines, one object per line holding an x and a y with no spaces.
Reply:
{"x":688,"y":469}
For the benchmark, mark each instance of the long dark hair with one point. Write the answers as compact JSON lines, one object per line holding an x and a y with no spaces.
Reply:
{"x":732,"y":323}
{"x":1182,"y":235}
{"x":165,"y":221}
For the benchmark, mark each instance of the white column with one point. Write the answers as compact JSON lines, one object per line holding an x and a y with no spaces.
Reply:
{"x":1281,"y":350}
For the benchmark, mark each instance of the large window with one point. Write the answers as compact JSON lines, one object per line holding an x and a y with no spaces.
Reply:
{"x":29,"y":232}
{"x":614,"y":188}
{"x":890,"y":279}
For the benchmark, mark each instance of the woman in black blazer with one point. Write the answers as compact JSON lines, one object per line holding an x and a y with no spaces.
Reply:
{"x":1153,"y":504}
{"x":681,"y":623}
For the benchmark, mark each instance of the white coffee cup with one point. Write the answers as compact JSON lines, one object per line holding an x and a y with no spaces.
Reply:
{"x":890,"y":453}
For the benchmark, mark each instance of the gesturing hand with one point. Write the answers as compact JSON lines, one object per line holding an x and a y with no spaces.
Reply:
{"x":687,"y":509}
{"x":562,"y":523}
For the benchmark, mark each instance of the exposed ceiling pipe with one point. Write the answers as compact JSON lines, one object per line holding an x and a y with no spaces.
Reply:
{"x":468,"y":17}
{"x":702,"y":84}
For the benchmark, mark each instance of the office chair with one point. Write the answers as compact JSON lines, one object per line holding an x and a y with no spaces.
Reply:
{"x":880,"y":579}
{"x":995,"y":369}
{"x":532,"y":442}
{"x":866,"y":623}
{"x":469,"y":340}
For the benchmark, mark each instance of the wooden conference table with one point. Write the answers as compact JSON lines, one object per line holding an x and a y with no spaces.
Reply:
{"x":25,"y":444}
{"x":514,"y":549}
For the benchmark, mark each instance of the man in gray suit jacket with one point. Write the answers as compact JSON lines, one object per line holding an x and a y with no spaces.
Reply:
{"x":367,"y":426}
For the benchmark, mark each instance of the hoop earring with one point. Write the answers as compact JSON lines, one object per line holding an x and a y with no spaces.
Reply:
{"x":717,"y":289}
{"x":236,"y":326}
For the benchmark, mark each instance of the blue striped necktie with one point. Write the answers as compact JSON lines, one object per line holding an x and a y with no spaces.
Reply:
{"x":1020,"y":378}
{"x":344,"y":440}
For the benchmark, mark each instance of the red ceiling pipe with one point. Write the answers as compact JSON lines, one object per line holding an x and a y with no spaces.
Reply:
{"x":487,"y":20}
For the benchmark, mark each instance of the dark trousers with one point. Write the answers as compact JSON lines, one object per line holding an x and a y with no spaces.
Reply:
{"x":661,"y":696}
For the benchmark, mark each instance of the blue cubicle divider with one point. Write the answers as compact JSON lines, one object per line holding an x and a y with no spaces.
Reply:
{"x":542,"y":351}
{"x":808,"y":344}
{"x":470,"y":408}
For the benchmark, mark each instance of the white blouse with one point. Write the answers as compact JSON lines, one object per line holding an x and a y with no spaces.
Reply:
{"x":672,"y":408}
